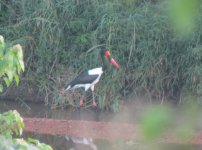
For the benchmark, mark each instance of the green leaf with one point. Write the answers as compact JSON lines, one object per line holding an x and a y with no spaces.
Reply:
{"x":2,"y":45}
{"x":17,"y":49}
{"x":19,"y":69}
{"x":21,"y":62}
{"x":18,"y":119}
{"x":16,"y":79}
{"x":10,"y":75}
{"x":1,"y":88}
{"x":1,"y":39}
{"x":9,"y":58}
{"x":31,"y":140}
{"x":39,"y":145}
{"x":7,"y":81}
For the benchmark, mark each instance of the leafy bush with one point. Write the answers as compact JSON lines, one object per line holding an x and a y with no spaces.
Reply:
{"x":11,"y":65}
{"x":10,"y":123}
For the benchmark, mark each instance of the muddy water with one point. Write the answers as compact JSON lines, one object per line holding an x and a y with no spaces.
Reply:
{"x":28,"y":109}
{"x":127,"y":114}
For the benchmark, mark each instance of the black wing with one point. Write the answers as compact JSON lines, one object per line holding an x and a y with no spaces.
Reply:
{"x":83,"y":78}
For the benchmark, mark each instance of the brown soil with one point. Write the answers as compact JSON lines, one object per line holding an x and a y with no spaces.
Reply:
{"x":93,"y":129}
{"x":96,"y":130}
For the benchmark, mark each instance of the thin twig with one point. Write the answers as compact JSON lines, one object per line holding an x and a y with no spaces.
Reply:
{"x":93,"y":48}
{"x":132,"y":46}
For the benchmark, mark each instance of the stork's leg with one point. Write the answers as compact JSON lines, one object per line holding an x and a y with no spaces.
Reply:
{"x":94,"y":103}
{"x":81,"y":101}
{"x":82,"y":97}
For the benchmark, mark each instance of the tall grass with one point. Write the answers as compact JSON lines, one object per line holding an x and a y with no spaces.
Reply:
{"x":57,"y":33}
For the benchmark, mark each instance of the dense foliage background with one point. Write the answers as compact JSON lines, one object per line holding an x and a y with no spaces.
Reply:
{"x":155,"y":60}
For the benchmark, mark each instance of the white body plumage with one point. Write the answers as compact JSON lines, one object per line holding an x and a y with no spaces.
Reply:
{"x":93,"y":77}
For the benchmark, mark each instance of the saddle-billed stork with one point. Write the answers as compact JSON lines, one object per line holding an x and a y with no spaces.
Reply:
{"x":88,"y":79}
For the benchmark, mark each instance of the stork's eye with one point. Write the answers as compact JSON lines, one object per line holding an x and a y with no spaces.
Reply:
{"x":107,"y":53}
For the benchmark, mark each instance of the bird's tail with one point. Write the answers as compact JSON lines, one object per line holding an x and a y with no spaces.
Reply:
{"x":67,"y":87}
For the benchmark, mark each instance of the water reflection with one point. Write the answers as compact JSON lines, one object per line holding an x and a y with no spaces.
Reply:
{"x":81,"y":142}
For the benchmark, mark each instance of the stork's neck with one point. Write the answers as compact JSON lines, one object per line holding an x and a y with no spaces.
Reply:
{"x":104,"y":66}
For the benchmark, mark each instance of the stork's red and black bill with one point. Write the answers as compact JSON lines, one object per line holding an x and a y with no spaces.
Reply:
{"x":114,"y":63}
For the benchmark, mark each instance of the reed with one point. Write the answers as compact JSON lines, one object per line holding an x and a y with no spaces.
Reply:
{"x":56,"y":35}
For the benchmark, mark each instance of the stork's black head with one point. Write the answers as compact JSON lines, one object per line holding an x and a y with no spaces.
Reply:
{"x":102,"y":51}
{"x":105,"y":52}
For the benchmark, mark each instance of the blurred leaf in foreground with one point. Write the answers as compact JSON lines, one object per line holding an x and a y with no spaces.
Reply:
{"x":183,"y":15}
{"x":154,"y":122}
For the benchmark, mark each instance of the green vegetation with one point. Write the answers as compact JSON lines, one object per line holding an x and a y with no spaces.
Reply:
{"x":183,"y":14}
{"x":11,"y":65}
{"x":156,"y":61}
{"x":11,"y":123}
{"x":154,"y":122}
